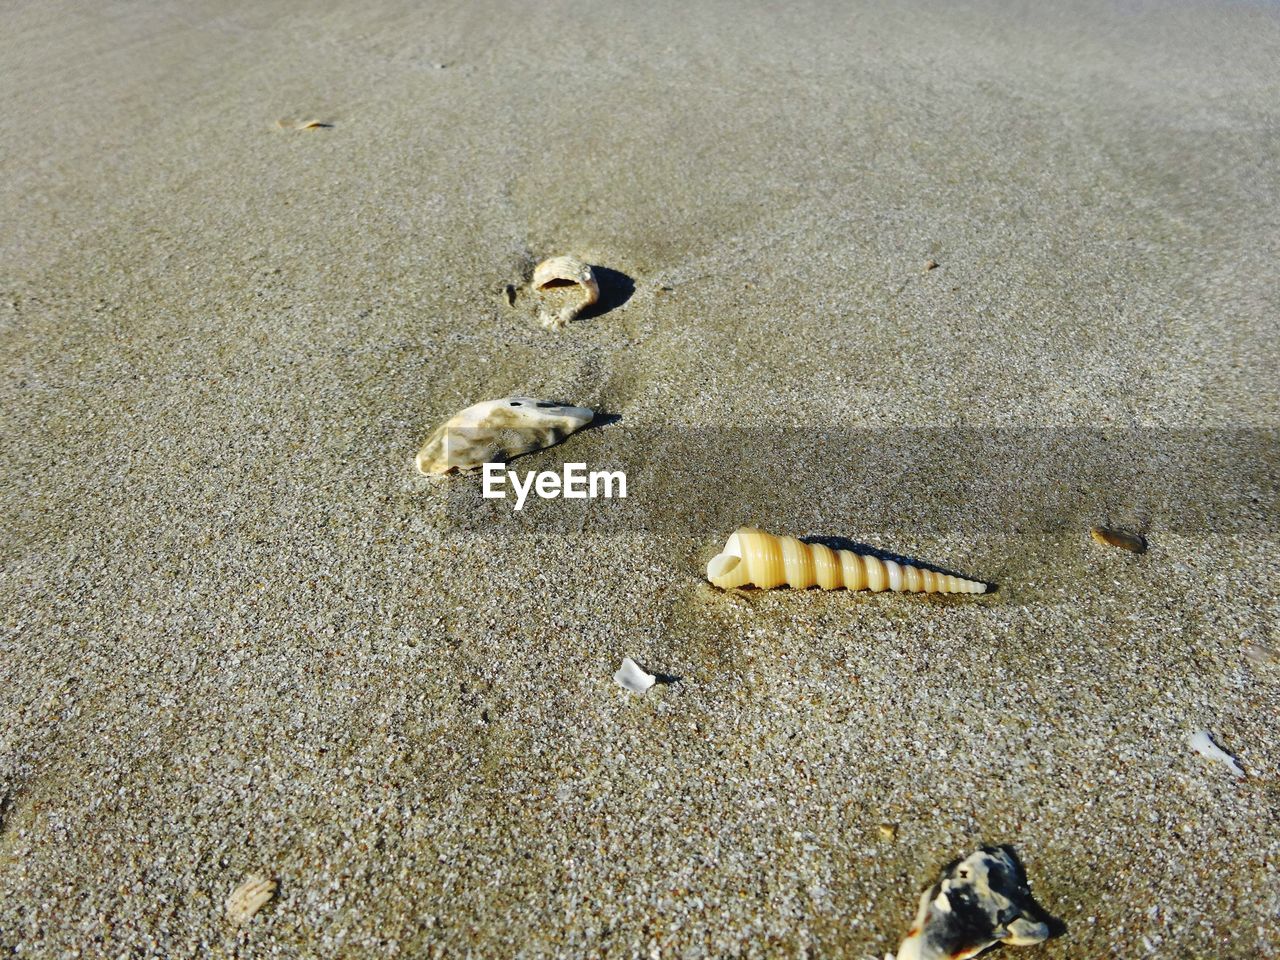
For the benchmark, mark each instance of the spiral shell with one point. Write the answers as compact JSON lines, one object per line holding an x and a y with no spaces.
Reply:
{"x":565,"y":272}
{"x":498,"y":430}
{"x":754,"y":558}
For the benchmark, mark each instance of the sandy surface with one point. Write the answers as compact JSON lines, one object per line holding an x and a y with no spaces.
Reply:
{"x":241,"y":635}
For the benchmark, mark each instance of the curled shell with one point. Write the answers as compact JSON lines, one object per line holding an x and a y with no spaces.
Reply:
{"x":1109,"y":537}
{"x":496,"y":431}
{"x":754,"y":558}
{"x":634,"y":677}
{"x":980,"y":900}
{"x":565,"y":272}
{"x":248,"y":898}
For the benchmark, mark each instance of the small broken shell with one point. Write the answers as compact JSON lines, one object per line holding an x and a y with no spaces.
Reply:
{"x":754,"y":558}
{"x":1203,"y":744}
{"x":565,"y":272}
{"x":303,"y":124}
{"x":1108,"y":537}
{"x":980,"y":900}
{"x":631,"y":676}
{"x":497,"y":430}
{"x":1261,"y":655}
{"x":248,"y":898}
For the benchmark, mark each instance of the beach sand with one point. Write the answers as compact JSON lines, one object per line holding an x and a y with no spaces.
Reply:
{"x":242,"y":636}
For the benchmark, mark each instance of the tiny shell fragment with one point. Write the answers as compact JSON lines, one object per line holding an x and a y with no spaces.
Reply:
{"x":248,"y":898}
{"x":633,"y":678}
{"x":1260,"y":654}
{"x":1203,"y":744}
{"x":1118,"y":538}
{"x":303,"y":125}
{"x":564,"y":272}
{"x":497,"y":430}
{"x":930,"y":265}
{"x":980,"y":900}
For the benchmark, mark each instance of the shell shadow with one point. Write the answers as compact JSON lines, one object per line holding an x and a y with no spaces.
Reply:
{"x":616,"y":288}
{"x":844,"y":543}
{"x":602,"y":420}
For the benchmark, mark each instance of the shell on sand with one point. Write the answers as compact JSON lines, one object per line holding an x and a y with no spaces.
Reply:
{"x":633,"y":677}
{"x":1202,"y":743}
{"x":1260,"y":654}
{"x":248,"y":898}
{"x":1109,"y":537}
{"x":754,"y":558}
{"x":565,"y":272}
{"x":497,"y":430}
{"x":286,"y":124}
{"x":980,"y":900}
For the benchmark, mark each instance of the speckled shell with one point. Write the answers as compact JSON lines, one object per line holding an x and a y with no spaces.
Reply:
{"x":565,"y":271}
{"x":497,"y":430}
{"x":754,"y":558}
{"x":980,"y":900}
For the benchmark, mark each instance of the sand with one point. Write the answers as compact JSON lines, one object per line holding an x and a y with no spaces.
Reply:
{"x":242,"y":636}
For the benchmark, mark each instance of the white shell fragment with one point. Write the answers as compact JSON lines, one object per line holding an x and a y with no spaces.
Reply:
{"x":631,"y":676}
{"x":980,"y":900}
{"x":248,"y":898}
{"x":497,"y":430}
{"x":577,"y":285}
{"x":1261,"y":655}
{"x":1203,"y":744}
